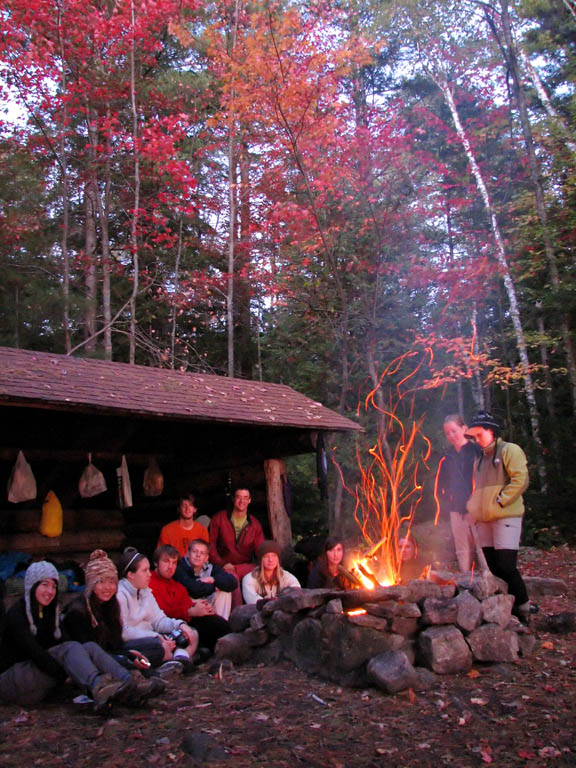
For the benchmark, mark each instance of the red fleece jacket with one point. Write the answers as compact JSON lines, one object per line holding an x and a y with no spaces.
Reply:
{"x":171,"y":596}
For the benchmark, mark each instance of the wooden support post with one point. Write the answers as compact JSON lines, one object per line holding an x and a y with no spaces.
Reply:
{"x":279,"y":521}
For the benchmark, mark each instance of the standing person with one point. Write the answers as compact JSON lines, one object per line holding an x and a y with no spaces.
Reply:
{"x":234,"y":539}
{"x":454,"y":486}
{"x":145,"y":626}
{"x":181,"y":532}
{"x":269,"y":578}
{"x":174,"y":600}
{"x":204,"y":580}
{"x":35,"y":658}
{"x":327,"y":569}
{"x":497,"y":506}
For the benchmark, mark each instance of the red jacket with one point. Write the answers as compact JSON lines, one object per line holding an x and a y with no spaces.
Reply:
{"x":171,"y":596}
{"x":223,"y":545}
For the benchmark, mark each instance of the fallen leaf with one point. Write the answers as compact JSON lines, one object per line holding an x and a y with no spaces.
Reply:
{"x":547,"y":645}
{"x":473,"y":673}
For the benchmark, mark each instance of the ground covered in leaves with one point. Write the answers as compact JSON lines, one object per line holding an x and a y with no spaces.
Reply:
{"x":521,"y":714}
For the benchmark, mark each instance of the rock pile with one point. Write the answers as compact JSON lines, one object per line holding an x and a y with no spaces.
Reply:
{"x":406,"y":633}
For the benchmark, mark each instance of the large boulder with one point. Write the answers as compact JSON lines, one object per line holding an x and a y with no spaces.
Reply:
{"x":490,"y":642}
{"x":444,"y":650}
{"x":392,"y":671}
{"x":469,"y":611}
{"x":497,"y":609}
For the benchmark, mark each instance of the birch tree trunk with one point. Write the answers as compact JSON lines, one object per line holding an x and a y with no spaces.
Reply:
{"x":510,"y":55}
{"x":176,"y":288}
{"x":91,"y":275}
{"x":136,"y":212}
{"x":63,"y":162}
{"x":442,"y":83}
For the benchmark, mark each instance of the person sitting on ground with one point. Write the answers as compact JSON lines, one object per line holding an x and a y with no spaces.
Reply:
{"x":95,"y":617}
{"x":204,"y":580}
{"x":235,"y":537}
{"x":174,"y":600}
{"x":269,"y":579}
{"x":328,"y":572}
{"x":37,"y":661}
{"x":411,"y":564}
{"x":145,"y":627}
{"x":181,"y":532}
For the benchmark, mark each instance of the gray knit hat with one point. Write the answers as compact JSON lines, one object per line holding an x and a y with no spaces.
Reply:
{"x":36,"y":573}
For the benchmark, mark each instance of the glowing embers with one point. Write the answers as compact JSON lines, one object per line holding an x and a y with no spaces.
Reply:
{"x":369,"y":573}
{"x":357,"y":612}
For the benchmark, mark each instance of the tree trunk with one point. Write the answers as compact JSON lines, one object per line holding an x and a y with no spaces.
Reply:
{"x":280,"y":527}
{"x":176,"y":287}
{"x":63,"y":162}
{"x":91,"y":277}
{"x":509,"y":52}
{"x":507,"y":278}
{"x":136,"y":212}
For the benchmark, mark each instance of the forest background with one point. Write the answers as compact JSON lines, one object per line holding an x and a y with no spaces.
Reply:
{"x":344,"y":197}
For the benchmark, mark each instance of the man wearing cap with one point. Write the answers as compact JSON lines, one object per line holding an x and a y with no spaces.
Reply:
{"x":496,"y":504}
{"x":269,"y":578}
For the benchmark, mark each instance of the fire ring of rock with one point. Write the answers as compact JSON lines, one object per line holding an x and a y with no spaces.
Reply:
{"x":402,"y":634}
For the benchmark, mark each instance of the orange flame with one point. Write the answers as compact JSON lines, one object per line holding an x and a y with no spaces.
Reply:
{"x":389,"y":489}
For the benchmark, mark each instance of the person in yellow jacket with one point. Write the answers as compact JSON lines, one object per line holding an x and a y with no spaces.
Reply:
{"x":497,"y":506}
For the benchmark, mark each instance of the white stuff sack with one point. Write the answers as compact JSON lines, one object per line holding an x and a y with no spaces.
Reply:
{"x":124,"y":487}
{"x":21,"y":485}
{"x":91,"y":481}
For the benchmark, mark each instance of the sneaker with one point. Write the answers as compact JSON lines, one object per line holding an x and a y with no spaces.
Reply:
{"x":107,"y":689}
{"x":169,"y":669}
{"x":187,"y":664}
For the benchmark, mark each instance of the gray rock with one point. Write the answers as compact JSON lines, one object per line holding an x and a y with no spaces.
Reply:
{"x":295,"y":599}
{"x":426,"y":679}
{"x":258,"y":621}
{"x":490,"y":642}
{"x":444,"y":650}
{"x":469,"y":611}
{"x":334,"y":606}
{"x":234,"y":647}
{"x":439,"y":611}
{"x":497,"y":609}
{"x":386,"y":610}
{"x":280,"y":623}
{"x":307,"y":647}
{"x":366,"y":620}
{"x":405,"y":627}
{"x":392,"y":672}
{"x":483,"y":584}
{"x":271,"y":653}
{"x":526,"y":645}
{"x":409,"y":611}
{"x":357,"y":597}
{"x":241,"y":616}
{"x":256,"y":637}
{"x":539,"y":585}
{"x":419,"y":589}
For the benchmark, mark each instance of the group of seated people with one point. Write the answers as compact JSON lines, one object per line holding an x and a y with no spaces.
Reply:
{"x":133,"y":628}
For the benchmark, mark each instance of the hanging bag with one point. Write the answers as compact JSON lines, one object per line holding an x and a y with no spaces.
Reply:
{"x":91,"y":481}
{"x":21,"y":485}
{"x":51,"y":521}
{"x":153,"y":479}
{"x":124,"y":487}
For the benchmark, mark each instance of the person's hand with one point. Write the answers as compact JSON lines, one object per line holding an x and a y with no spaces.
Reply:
{"x":207,"y":580}
{"x":168,"y":646}
{"x":139,"y":660}
{"x":201,"y":608}
{"x":188,"y":631}
{"x":229,"y":568}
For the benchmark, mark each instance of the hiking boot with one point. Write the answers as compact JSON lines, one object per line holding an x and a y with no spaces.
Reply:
{"x":169,"y":669}
{"x":141,"y":690}
{"x":106,"y":690}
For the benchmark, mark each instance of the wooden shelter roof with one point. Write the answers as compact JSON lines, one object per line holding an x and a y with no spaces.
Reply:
{"x":81,"y":385}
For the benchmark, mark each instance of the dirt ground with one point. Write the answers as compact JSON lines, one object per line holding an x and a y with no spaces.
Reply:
{"x":506,"y":715}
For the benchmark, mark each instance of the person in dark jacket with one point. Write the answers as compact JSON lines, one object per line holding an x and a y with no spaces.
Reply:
{"x":36,"y":660}
{"x":235,"y":536}
{"x":454,"y":486}
{"x":327,"y":571}
{"x":204,"y":580}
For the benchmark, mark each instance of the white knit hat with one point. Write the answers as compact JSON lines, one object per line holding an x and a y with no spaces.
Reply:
{"x":36,"y":573}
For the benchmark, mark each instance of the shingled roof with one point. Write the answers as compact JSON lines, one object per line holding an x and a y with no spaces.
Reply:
{"x":78,"y":384}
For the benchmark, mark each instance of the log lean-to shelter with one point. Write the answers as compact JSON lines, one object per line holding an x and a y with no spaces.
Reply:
{"x":208,"y":433}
